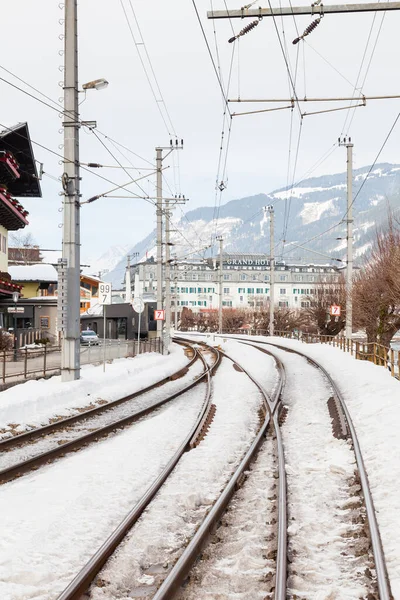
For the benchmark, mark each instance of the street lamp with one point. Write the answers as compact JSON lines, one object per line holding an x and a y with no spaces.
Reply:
{"x":15,"y":298}
{"x":97,"y":84}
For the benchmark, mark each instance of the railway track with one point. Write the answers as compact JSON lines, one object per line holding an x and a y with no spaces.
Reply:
{"x":84,"y":578}
{"x":30,"y":450}
{"x":172,"y":578}
{"x":343,"y":428}
{"x":359,"y":501}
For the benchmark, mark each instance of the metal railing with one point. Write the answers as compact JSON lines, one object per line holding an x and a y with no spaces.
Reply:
{"x":28,"y":363}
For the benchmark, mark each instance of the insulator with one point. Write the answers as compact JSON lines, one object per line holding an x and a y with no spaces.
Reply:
{"x":249,"y":27}
{"x":296,"y":41}
{"x":232,"y":39}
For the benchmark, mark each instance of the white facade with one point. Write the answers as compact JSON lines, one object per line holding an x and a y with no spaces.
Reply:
{"x":195,"y":285}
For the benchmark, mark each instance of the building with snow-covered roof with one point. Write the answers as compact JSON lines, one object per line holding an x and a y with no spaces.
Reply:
{"x":245,"y":282}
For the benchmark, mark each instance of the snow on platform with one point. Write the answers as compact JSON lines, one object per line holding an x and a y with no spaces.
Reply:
{"x":34,"y":403}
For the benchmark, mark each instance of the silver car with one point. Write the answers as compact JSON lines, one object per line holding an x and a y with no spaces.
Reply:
{"x":89,"y":338}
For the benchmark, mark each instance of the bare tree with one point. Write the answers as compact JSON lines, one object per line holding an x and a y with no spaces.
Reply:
{"x":325,"y":295}
{"x":376,"y":290}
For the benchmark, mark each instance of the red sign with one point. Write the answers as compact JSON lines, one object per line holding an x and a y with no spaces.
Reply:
{"x":335,"y":310}
{"x":159,"y":315}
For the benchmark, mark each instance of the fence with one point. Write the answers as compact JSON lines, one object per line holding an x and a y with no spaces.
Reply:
{"x":28,"y":363}
{"x":373,"y":352}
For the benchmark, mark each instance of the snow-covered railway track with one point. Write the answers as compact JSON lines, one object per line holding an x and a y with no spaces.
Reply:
{"x":357,"y":502}
{"x":80,"y":584}
{"x":28,"y":451}
{"x":262,"y":505}
{"x":158,"y":553}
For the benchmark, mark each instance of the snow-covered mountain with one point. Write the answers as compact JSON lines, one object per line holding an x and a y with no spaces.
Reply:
{"x":107,"y":261}
{"x":302,"y":214}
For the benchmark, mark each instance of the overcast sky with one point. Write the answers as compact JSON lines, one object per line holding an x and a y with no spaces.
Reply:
{"x":328,"y":65}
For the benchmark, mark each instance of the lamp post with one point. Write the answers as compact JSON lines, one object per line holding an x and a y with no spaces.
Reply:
{"x":70,"y":297}
{"x":15,"y":298}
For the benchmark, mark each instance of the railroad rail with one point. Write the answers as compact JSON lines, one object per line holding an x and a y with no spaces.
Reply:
{"x":182,"y":567}
{"x":344,"y":417}
{"x":42,"y":458}
{"x":82,"y":581}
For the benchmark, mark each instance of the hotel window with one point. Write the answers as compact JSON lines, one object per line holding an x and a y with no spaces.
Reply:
{"x":283,"y":304}
{"x":241,"y":290}
{"x":282,"y":291}
{"x":226,"y":290}
{"x":243,"y":277}
{"x":192,"y":290}
{"x":282,"y":277}
{"x":259,"y":291}
{"x":266,"y":277}
{"x":250,"y":290}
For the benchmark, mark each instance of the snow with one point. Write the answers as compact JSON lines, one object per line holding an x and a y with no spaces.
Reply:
{"x":362,"y":249}
{"x":53,"y":520}
{"x":196,"y":482}
{"x":34,"y":403}
{"x":313,"y":211}
{"x":297,"y":192}
{"x":373,"y":399}
{"x":39,"y":272}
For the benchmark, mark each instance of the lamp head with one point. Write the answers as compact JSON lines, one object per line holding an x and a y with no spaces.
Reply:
{"x":15,"y":297}
{"x":97,"y":84}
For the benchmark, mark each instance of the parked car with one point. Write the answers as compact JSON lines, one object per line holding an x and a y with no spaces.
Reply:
{"x":89,"y":338}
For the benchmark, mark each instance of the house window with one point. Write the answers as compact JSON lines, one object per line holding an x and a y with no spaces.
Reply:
{"x":282,"y":291}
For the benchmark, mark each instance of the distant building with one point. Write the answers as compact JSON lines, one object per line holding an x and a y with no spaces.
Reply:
{"x":245,"y":279}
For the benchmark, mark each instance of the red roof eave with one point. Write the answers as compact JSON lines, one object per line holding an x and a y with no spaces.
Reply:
{"x":6,"y":287}
{"x":9,"y":203}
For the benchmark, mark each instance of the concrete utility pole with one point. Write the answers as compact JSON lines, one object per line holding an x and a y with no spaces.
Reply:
{"x":270,"y":210}
{"x":159,"y":240}
{"x":221,"y":241}
{"x":349,"y":220}
{"x":128,"y":284}
{"x":70,"y":347}
{"x":167,"y":275}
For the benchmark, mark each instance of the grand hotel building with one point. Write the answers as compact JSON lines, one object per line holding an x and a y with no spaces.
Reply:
{"x":245,"y":279}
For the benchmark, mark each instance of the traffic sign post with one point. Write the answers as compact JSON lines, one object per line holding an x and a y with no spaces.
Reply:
{"x":105,"y":297}
{"x":334,"y":310}
{"x":138,"y":306}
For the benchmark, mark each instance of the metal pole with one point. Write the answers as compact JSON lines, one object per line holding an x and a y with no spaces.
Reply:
{"x":349,"y":220}
{"x":15,"y":333}
{"x":128,"y":285}
{"x":70,"y":351}
{"x":138,"y":333}
{"x":167,"y":276}
{"x":176,"y":295}
{"x":271,"y":270}
{"x":293,"y":11}
{"x":220,"y":239}
{"x":159,"y":239}
{"x":104,"y":337}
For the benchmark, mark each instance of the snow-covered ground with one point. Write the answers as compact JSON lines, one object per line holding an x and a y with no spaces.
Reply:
{"x":83,"y":427}
{"x":373,"y":399}
{"x":328,"y":549}
{"x":34,"y":403}
{"x":162,"y":533}
{"x":53,"y":521}
{"x":239,"y":562}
